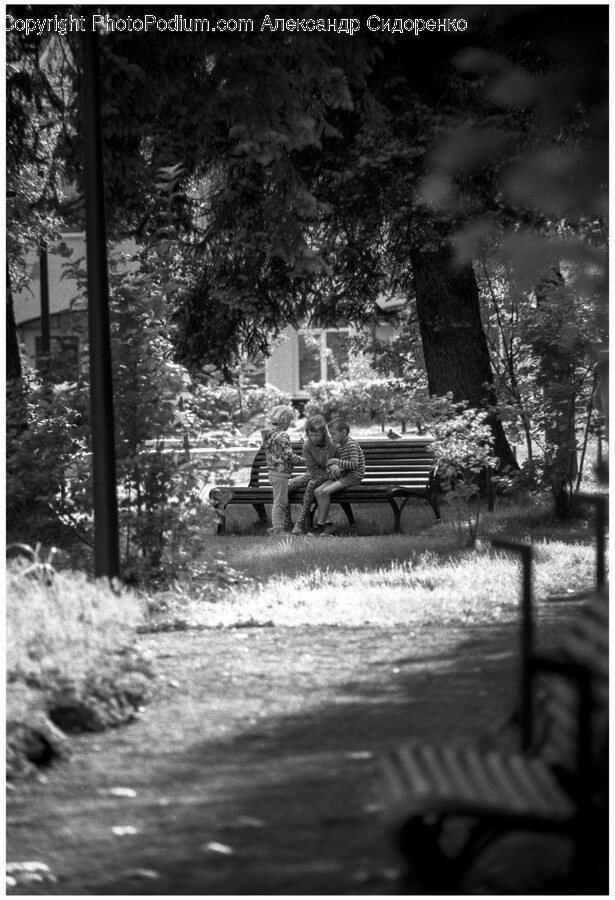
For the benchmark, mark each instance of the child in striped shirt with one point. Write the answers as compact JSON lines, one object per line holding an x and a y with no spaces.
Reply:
{"x":346,"y":468}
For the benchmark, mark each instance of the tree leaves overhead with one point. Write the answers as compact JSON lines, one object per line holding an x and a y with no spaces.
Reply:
{"x":535,"y":153}
{"x":306,"y":167}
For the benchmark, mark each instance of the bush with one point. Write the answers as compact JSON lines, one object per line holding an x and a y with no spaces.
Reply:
{"x":462,"y":449}
{"x":365,"y":399}
{"x":360,"y":401}
{"x":71,"y":657}
{"x":238,"y":406}
{"x":45,"y":437}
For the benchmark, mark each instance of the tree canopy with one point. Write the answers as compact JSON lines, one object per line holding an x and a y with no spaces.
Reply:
{"x":303,"y":174}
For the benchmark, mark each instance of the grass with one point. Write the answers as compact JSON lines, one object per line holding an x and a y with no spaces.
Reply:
{"x":71,"y":624}
{"x":420,"y":579}
{"x":71,"y":654}
{"x":73,"y":641}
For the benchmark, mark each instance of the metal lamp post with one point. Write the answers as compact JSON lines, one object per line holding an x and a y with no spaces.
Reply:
{"x":106,"y":534}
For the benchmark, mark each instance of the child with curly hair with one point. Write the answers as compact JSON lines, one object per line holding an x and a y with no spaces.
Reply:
{"x":280,"y":460}
{"x":317,"y":449}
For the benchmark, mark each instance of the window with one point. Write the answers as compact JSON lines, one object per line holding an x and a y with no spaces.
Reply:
{"x":322,"y":354}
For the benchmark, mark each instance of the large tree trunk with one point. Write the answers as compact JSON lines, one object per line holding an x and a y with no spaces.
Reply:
{"x":454,"y":343}
{"x":13,"y":361}
{"x":555,"y":375}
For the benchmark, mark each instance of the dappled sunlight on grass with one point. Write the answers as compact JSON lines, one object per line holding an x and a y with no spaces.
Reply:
{"x":384,"y":581}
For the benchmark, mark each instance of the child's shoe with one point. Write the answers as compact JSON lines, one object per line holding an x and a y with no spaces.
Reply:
{"x":297,"y":528}
{"x":328,"y":528}
{"x":315,"y":530}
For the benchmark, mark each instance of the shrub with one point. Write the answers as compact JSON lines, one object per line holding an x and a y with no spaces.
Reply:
{"x":45,"y":436}
{"x":239,"y":405}
{"x":364,"y":398}
{"x":462,"y":453}
{"x":71,"y":654}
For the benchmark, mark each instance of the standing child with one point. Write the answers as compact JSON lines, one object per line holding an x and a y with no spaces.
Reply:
{"x":280,"y":461}
{"x":346,"y":469}
{"x":317,"y":449}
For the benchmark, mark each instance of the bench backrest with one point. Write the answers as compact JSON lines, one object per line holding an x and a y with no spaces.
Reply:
{"x":403,"y":461}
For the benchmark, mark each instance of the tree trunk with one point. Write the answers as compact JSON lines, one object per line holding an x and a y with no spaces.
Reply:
{"x":13,"y":361}
{"x":454,"y":343}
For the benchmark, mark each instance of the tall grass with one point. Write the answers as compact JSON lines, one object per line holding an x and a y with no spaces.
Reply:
{"x":72,"y":658}
{"x":69,"y":625}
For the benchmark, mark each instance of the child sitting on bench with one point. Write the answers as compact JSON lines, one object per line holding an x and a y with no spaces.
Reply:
{"x":346,"y":469}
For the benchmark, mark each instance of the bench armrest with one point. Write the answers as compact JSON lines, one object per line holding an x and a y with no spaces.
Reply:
{"x":580,"y":675}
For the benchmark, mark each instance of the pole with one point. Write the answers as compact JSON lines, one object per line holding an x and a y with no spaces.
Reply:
{"x":106,"y":536}
{"x":45,"y":315}
{"x":527,"y":637}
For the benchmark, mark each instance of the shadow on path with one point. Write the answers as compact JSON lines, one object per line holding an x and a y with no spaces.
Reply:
{"x":255,"y":770}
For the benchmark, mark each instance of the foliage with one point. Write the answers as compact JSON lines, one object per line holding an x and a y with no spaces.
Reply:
{"x":462,"y":449}
{"x":542,"y":346}
{"x":362,"y":396}
{"x":542,"y":136}
{"x":36,"y":116}
{"x":244,"y":405}
{"x":71,"y":647}
{"x":164,"y":421}
{"x":530,"y":174}
{"x":44,"y":441}
{"x":361,"y":402}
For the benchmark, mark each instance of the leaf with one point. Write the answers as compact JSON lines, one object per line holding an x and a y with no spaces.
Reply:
{"x":121,"y":792}
{"x":123,"y":830}
{"x":216,"y":848}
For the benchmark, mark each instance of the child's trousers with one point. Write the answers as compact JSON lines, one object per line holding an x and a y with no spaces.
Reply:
{"x":279,"y":483}
{"x":310,"y":485}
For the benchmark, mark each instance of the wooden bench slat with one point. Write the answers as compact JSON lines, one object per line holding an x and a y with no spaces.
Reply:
{"x":422,"y":778}
{"x":439,"y":774}
{"x":459,"y":766}
{"x":502,"y":778}
{"x":417,"y":775}
{"x":559,"y":802}
{"x":538,"y":785}
{"x":478,"y":774}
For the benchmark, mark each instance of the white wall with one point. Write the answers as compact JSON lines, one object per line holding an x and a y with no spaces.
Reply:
{"x":282,"y":367}
{"x":65,"y":301}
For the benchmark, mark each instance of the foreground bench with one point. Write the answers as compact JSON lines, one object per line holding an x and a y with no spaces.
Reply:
{"x":395,"y":472}
{"x":557,"y":783}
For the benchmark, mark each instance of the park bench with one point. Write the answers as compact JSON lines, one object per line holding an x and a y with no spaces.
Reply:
{"x":557,"y":783}
{"x":395,"y":471}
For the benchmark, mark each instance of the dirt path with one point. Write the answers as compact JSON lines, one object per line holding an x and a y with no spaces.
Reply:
{"x":255,"y":769}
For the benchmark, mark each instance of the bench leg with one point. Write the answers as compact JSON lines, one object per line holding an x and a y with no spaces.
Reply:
{"x":349,"y":513}
{"x":261,"y":512}
{"x":397,"y":511}
{"x":430,"y":869}
{"x":432,"y":499}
